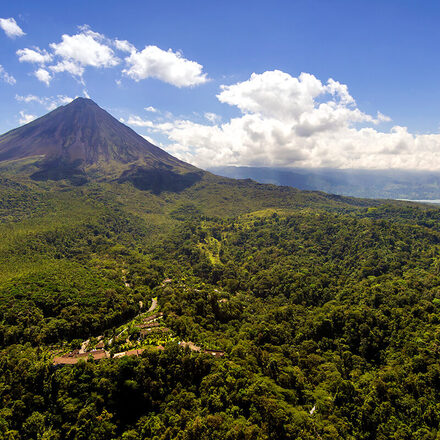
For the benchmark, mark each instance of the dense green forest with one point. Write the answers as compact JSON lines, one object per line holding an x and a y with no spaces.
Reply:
{"x":327,"y":310}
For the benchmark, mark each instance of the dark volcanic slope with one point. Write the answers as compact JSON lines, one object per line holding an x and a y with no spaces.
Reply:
{"x":82,"y":132}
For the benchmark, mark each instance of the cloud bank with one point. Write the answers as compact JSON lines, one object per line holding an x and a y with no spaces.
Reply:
{"x":295,"y":121}
{"x":89,"y":49}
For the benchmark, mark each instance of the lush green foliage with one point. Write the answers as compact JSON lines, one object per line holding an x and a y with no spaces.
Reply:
{"x":319,"y":303}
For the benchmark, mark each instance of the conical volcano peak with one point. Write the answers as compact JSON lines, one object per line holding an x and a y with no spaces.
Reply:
{"x":82,"y":131}
{"x":81,"y":138}
{"x":81,"y":102}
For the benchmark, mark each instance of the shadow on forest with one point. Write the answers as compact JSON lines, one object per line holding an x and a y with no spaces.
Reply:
{"x":59,"y":169}
{"x":158,"y":180}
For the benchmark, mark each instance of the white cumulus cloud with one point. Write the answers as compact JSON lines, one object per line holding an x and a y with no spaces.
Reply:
{"x":151,"y":109}
{"x":6,"y":77}
{"x":71,"y":67}
{"x":137,"y":121}
{"x":11,"y":28}
{"x":86,"y":48}
{"x":43,"y":75}
{"x":296,"y":121}
{"x":168,"y":66}
{"x":76,"y":52}
{"x":25,"y":118}
{"x":124,"y":46}
{"x":35,"y":55}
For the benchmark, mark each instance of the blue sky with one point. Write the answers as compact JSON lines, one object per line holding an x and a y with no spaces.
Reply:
{"x":384,"y":52}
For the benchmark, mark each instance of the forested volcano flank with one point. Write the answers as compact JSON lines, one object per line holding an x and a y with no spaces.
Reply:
{"x":80,"y":140}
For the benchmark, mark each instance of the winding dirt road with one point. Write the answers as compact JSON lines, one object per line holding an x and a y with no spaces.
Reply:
{"x":153,"y":304}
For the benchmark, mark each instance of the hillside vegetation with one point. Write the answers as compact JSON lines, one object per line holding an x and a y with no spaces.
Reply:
{"x":327,"y":310}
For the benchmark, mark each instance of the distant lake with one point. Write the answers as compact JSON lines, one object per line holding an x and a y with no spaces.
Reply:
{"x":434,"y":202}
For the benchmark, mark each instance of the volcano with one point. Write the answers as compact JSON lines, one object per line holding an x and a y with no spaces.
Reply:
{"x":80,"y":140}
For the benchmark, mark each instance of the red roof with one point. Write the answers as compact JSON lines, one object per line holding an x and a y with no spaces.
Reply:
{"x":73,"y":358}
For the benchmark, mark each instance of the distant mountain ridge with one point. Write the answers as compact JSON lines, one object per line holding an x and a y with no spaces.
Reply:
{"x":393,"y":184}
{"x":81,"y":139}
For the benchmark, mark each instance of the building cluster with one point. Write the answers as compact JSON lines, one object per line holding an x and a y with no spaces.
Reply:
{"x":74,"y":356}
{"x":150,"y":324}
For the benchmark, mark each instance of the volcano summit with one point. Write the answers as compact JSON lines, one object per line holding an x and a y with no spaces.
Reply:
{"x":81,"y":140}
